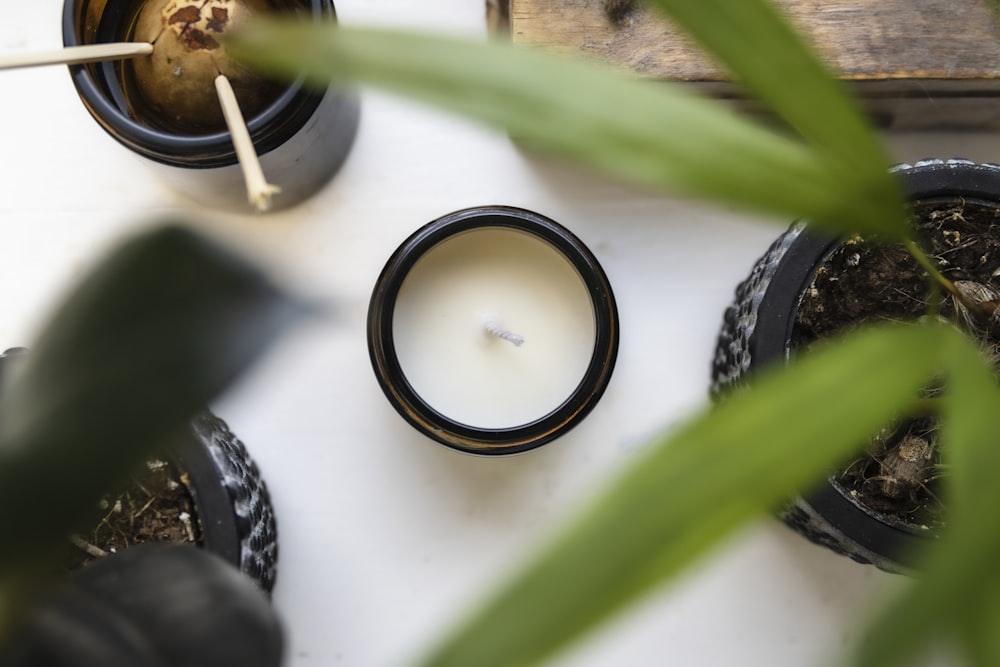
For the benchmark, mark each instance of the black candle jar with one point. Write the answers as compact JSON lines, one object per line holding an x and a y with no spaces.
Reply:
{"x":302,"y":137}
{"x":412,"y":402}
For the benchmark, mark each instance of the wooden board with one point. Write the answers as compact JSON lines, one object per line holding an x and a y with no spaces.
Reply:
{"x":918,"y":64}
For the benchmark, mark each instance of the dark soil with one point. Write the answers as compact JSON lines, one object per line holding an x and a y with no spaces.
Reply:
{"x":863,"y":281}
{"x":154,"y":506}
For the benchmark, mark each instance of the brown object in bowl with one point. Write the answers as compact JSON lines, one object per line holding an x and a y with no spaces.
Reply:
{"x":177,"y":80}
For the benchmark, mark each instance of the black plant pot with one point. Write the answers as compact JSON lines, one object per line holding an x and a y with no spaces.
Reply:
{"x":163,"y":605}
{"x":758,"y":330}
{"x":231,"y":501}
{"x":302,"y":137}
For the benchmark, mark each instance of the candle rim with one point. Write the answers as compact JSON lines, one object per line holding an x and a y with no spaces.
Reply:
{"x":501,"y":440}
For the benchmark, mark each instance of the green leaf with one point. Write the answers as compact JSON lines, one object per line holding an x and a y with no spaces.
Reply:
{"x":697,"y":485}
{"x":764,"y":52}
{"x":649,"y":133}
{"x":957,"y":590}
{"x":996,"y":7}
{"x":975,"y":625}
{"x":142,"y":344}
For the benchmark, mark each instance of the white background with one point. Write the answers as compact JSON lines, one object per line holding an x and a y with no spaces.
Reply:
{"x":387,"y":537}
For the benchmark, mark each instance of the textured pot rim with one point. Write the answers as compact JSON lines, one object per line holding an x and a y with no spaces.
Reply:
{"x":215,"y":492}
{"x":190,"y":452}
{"x":923,"y":181}
{"x":268,"y":129}
{"x":492,"y":441}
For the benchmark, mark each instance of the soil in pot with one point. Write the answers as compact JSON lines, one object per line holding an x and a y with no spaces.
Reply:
{"x":154,"y":505}
{"x":862,"y":281}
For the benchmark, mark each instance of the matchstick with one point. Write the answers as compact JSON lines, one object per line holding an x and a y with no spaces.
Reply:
{"x":259,"y":191}
{"x":72,"y":55}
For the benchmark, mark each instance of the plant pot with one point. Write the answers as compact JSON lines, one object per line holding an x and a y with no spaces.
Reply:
{"x":231,"y":499}
{"x":233,"y":515}
{"x":302,"y":136}
{"x":767,"y":322}
{"x":164,"y":605}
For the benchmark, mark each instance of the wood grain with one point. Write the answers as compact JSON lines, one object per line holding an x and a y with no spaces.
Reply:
{"x":919,"y":64}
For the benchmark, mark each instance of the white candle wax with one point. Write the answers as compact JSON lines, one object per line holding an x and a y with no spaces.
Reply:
{"x":493,"y":278}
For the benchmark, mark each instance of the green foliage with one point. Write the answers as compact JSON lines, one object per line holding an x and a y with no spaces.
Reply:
{"x":700,"y":483}
{"x":957,"y":592}
{"x":794,"y":83}
{"x":786,"y":75}
{"x":143,"y":343}
{"x":658,"y":135}
{"x":695,"y":486}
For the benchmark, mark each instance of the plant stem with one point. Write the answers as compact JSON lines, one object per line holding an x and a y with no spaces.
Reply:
{"x":932,"y":270}
{"x":934,"y":300}
{"x":982,"y":309}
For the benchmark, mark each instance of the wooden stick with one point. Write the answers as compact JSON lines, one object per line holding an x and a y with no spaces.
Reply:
{"x":259,"y":191}
{"x":77,"y":54}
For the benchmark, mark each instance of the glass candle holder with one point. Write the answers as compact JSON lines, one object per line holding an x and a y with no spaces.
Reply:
{"x":493,"y":330}
{"x":302,"y":136}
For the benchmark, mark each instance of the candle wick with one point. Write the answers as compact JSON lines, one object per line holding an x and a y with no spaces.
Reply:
{"x":503,"y":334}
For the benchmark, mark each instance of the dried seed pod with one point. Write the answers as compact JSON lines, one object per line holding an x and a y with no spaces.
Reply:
{"x":978,"y":310}
{"x":906,"y":467}
{"x":977,"y":292}
{"x":177,"y":80}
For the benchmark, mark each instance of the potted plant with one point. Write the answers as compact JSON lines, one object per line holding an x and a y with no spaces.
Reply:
{"x":885,"y":503}
{"x":745,"y":456}
{"x":126,"y":364}
{"x":206,"y":484}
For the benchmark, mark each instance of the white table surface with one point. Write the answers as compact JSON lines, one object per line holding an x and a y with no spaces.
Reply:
{"x":387,"y":537}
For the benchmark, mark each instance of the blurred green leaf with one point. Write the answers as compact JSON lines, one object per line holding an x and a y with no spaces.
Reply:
{"x":956,"y":592}
{"x":978,"y":620}
{"x":697,"y":485}
{"x":650,"y":133}
{"x":757,"y":44}
{"x":144,"y":342}
{"x":996,"y":7}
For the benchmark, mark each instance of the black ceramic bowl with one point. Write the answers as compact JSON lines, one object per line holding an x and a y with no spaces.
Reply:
{"x":302,"y":137}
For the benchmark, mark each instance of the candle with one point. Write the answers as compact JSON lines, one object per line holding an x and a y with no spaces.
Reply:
{"x":301,"y":136}
{"x":493,"y":330}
